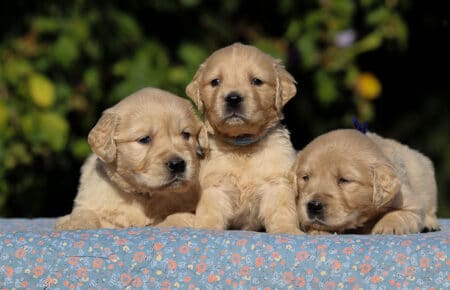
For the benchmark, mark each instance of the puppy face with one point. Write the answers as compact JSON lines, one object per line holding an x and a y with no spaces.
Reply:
{"x":241,"y":90}
{"x":343,"y":181}
{"x":151,"y":139}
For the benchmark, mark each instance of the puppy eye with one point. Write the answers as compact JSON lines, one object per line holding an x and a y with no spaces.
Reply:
{"x":186,"y":135}
{"x":145,"y":140}
{"x":343,"y":180}
{"x":257,"y":82}
{"x":215,"y":82}
{"x":305,"y":178}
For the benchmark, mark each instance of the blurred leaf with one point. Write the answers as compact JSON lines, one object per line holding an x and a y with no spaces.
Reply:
{"x":308,"y":51}
{"x":16,"y":68}
{"x":65,"y":51}
{"x":45,"y":24}
{"x":179,"y":75}
{"x":326,"y":88}
{"x":126,"y":27}
{"x":16,"y":154}
{"x":4,"y":115}
{"x":377,"y":16}
{"x":271,"y":47}
{"x":41,"y":90}
{"x":46,"y":128}
{"x":294,"y":29}
{"x":80,"y":148}
{"x":79,"y":30}
{"x":191,"y":54}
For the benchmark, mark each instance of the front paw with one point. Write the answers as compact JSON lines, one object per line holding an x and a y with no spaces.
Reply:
{"x":285,"y":230}
{"x":178,"y":220}
{"x":396,"y":224}
{"x":70,"y":223}
{"x":318,"y":232}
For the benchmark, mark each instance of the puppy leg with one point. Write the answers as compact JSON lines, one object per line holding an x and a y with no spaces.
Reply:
{"x":79,"y":219}
{"x":215,"y":208}
{"x":183,"y":219}
{"x":399,"y":222}
{"x":278,"y":209}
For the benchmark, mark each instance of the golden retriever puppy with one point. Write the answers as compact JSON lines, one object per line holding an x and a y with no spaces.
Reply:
{"x":350,"y":182}
{"x":244,"y":180}
{"x":144,"y":166}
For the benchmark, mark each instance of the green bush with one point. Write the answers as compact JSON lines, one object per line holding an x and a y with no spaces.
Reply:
{"x":66,"y":64}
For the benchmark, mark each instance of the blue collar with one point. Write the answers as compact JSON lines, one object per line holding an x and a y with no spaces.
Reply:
{"x":247,"y":139}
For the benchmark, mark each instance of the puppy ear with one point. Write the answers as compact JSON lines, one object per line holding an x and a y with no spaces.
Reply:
{"x":101,"y":137}
{"x":193,"y":88}
{"x":202,"y":142}
{"x":286,"y":88}
{"x":385,"y":184}
{"x":293,"y":178}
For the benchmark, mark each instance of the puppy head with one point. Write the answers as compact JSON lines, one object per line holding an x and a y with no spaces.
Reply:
{"x":241,"y":90}
{"x":343,"y":181}
{"x":149,"y":141}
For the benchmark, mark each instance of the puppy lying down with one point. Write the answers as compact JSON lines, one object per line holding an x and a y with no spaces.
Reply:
{"x":144,"y":166}
{"x":350,"y":182}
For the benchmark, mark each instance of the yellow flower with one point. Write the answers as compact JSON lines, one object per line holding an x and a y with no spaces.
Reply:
{"x":368,"y":86}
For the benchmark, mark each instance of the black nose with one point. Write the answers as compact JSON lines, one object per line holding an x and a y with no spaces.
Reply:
{"x":176,"y":165}
{"x":233,"y":99}
{"x":315,"y":208}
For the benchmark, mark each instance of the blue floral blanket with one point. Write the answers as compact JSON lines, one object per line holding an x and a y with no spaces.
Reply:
{"x":33,"y":256}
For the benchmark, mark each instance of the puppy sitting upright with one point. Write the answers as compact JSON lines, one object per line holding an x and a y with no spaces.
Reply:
{"x":144,"y":167}
{"x":244,"y":181}
{"x":350,"y":182}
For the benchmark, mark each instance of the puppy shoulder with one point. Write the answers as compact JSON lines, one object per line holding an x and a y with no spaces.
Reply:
{"x":94,"y":187}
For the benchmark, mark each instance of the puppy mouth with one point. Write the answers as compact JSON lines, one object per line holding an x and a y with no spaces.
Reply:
{"x":176,"y":181}
{"x":346,"y":223}
{"x":234,"y":118}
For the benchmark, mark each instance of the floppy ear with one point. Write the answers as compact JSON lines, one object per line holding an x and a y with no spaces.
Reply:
{"x":202,"y":142}
{"x":193,"y":88}
{"x":385,"y":185}
{"x":293,"y":178}
{"x":101,"y":137}
{"x":286,"y":88}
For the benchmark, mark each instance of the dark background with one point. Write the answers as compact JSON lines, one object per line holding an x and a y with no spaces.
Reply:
{"x":63,"y":63}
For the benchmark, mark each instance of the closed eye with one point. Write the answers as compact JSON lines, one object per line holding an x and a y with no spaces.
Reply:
{"x":343,"y":180}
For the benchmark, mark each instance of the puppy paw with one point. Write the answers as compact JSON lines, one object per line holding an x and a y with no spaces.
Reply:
{"x":431,"y":223}
{"x":398,"y":223}
{"x":318,"y":232}
{"x":68,"y":223}
{"x":178,"y":220}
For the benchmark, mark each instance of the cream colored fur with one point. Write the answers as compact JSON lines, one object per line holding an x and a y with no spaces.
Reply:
{"x":364,"y":184}
{"x":244,"y":186}
{"x":126,"y":181}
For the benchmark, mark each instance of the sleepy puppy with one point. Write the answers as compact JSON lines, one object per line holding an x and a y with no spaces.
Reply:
{"x":144,"y":166}
{"x":350,"y":182}
{"x":244,"y":180}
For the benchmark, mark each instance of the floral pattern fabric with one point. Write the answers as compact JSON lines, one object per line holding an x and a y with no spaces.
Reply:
{"x":33,"y":256}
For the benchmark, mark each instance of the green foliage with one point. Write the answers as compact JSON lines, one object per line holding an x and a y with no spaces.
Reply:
{"x":71,"y":62}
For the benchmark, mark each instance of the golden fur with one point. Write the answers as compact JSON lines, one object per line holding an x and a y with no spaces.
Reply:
{"x":349,"y":182}
{"x":134,"y":181}
{"x":244,"y":180}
